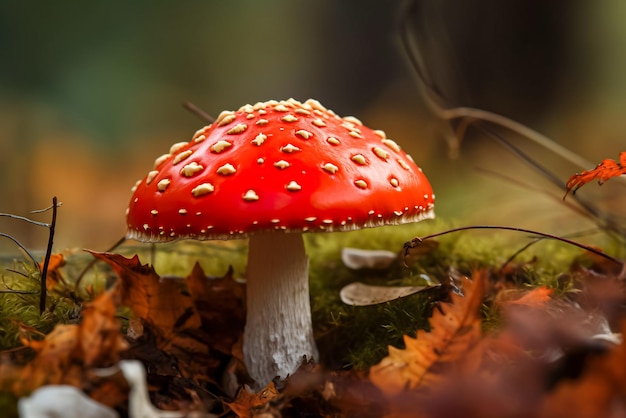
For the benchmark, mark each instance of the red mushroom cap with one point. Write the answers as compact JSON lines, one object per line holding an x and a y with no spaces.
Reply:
{"x":278,"y":166}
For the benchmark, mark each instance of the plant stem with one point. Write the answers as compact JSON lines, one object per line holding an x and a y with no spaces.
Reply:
{"x":417,"y":240}
{"x":46,"y":262}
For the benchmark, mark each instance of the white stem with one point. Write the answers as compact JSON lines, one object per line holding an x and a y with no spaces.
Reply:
{"x":278,"y":333}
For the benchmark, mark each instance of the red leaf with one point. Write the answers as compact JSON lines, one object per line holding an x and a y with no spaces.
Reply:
{"x":604,"y":171}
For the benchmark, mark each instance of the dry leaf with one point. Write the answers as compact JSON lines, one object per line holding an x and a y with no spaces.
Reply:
{"x":67,"y":353}
{"x":54,"y":276}
{"x":356,"y":258}
{"x":535,"y":297}
{"x":455,"y":330}
{"x":246,"y":400}
{"x":604,"y":171}
{"x":187,"y":330}
{"x":361,"y":294}
{"x":220,"y":302}
{"x":171,"y":324}
{"x":599,"y":392}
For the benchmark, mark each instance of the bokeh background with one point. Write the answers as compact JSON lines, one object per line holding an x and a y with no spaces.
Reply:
{"x":91,"y":93}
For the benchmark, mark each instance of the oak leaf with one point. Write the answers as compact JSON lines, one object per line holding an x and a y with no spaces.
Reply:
{"x":183,"y":329}
{"x":455,"y":330}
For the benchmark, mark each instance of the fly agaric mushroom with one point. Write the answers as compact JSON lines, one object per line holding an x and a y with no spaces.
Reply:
{"x":272,"y":171}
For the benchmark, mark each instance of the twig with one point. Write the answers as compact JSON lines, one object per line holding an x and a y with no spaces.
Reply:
{"x":467,"y":116}
{"x":418,"y":240}
{"x":535,"y":241}
{"x":22,"y":218}
{"x":19,"y":244}
{"x":46,"y":262}
{"x":198,"y":112}
{"x":19,"y":292}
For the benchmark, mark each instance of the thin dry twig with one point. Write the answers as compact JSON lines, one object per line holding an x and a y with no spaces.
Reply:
{"x":46,"y":262}
{"x":198,"y":112}
{"x":418,"y":240}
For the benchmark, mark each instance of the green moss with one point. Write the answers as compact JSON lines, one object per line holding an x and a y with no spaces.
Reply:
{"x":358,"y":336}
{"x":178,"y":258}
{"x":19,"y":300}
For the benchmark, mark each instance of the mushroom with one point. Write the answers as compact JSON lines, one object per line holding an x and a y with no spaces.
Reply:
{"x":270,"y":172}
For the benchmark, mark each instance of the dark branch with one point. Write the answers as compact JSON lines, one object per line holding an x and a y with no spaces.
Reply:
{"x":198,"y":112}
{"x":46,"y":262}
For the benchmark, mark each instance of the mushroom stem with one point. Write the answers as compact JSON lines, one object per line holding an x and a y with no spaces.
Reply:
{"x":278,"y":333}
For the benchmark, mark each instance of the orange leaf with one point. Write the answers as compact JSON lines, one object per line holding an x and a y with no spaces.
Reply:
{"x":599,"y":392}
{"x":246,"y":400}
{"x":66,"y":354}
{"x":187,"y":319}
{"x":536,"y":297}
{"x":160,"y":302}
{"x":604,"y":171}
{"x":455,"y":330}
{"x":54,"y":275}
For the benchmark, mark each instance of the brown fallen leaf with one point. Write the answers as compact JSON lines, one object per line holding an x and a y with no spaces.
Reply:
{"x":220,"y":302}
{"x":184,"y":329}
{"x":455,"y":330}
{"x":536,"y":297}
{"x":68,"y":353}
{"x":599,"y":392}
{"x":54,"y":275}
{"x":246,"y":400}
{"x":604,"y":171}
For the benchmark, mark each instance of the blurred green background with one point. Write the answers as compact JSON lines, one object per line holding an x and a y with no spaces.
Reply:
{"x":91,"y":93}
